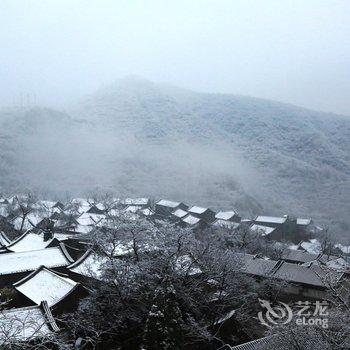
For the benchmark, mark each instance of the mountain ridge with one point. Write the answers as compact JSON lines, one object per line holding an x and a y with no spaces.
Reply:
{"x":218,"y":149}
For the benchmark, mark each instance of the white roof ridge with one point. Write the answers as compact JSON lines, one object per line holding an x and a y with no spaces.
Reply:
{"x":18,"y":239}
{"x":38,"y":270}
{"x":81,"y":259}
{"x":65,"y":285}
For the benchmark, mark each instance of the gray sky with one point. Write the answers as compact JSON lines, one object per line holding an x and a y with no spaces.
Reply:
{"x":296,"y":51}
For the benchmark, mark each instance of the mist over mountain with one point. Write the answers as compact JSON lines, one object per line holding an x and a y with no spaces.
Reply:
{"x":138,"y":138}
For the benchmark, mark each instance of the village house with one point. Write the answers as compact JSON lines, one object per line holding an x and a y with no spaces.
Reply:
{"x":27,"y":324}
{"x":177,"y":215}
{"x":61,"y":293}
{"x":298,"y":256}
{"x":272,"y":233}
{"x":205,"y":214}
{"x":15,"y":266}
{"x":285,"y":228}
{"x":132,"y":209}
{"x":309,"y":281}
{"x":31,"y":241}
{"x":228,"y":216}
{"x":165,"y":208}
{"x":192,"y":221}
{"x":88,"y":267}
{"x":96,"y":209}
{"x":139,"y":202}
{"x":58,"y":205}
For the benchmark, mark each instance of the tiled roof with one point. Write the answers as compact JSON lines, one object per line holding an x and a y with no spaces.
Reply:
{"x":44,"y":284}
{"x":29,"y":261}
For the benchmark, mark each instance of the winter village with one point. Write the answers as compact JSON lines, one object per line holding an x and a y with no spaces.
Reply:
{"x":56,"y":255}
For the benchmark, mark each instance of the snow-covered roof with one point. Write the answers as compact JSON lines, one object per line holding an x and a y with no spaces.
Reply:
{"x":87,"y":219}
{"x":84,"y":205}
{"x":44,"y":284}
{"x":298,"y":256}
{"x":166,"y":203}
{"x":339,"y":264}
{"x":135,"y":201}
{"x":133,"y":208}
{"x":303,"y":222}
{"x":271,"y":219}
{"x":264,"y":229}
{"x":311,"y":246}
{"x":197,"y":210}
{"x":47,"y":204}
{"x":89,"y":265}
{"x":343,"y":248}
{"x":180,"y":213}
{"x":225,"y":215}
{"x":30,"y":221}
{"x":147,"y":211}
{"x":28,"y":241}
{"x":29,"y":261}
{"x":191,"y":220}
{"x":26,"y":323}
{"x":312,"y":275}
{"x":83,"y":228}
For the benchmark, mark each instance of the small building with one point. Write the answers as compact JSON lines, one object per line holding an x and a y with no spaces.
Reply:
{"x":31,"y":241}
{"x":193,"y":222}
{"x":86,"y":222}
{"x":27,"y":324}
{"x":228,"y":216}
{"x":15,"y":266}
{"x":205,"y":214}
{"x":166,"y":208}
{"x":147,"y":212}
{"x":309,"y":281}
{"x":178,"y":214}
{"x":58,"y":205}
{"x":286,"y":227}
{"x":254,"y":266}
{"x":94,"y":209}
{"x":140,"y":202}
{"x":270,"y":221}
{"x":265,"y":230}
{"x":298,"y":256}
{"x":132,"y":209}
{"x":88,"y":267}
{"x":60,"y":292}
{"x":304,"y":226}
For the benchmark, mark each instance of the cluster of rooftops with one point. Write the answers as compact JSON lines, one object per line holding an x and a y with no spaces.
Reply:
{"x":49,"y":274}
{"x":89,"y":213}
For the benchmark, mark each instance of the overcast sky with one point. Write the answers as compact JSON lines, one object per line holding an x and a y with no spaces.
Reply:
{"x":295,"y":51}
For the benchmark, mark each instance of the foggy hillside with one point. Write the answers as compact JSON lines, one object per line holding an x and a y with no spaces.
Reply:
{"x":139,"y":138}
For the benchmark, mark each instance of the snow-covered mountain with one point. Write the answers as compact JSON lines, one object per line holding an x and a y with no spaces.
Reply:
{"x":141,"y":138}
